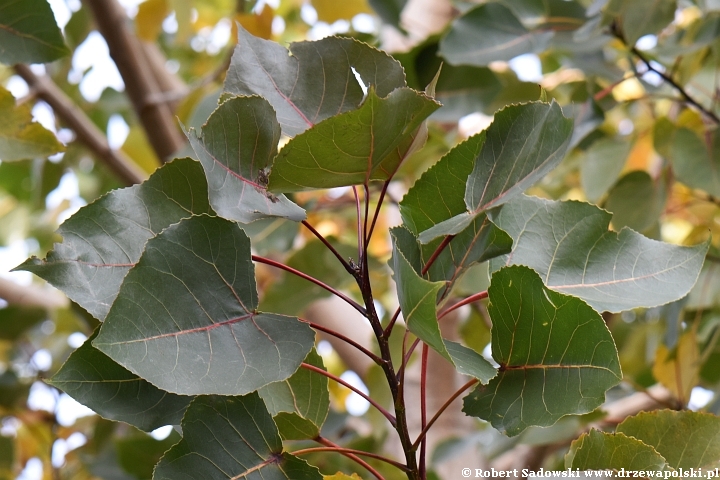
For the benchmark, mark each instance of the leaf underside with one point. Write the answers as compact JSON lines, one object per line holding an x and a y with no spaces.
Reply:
{"x":185,"y":318}
{"x":522,"y":145}
{"x":104,"y":239}
{"x":569,"y":245}
{"x":95,"y":380}
{"x":231,"y":438}
{"x":315,"y":81}
{"x":238,"y":143}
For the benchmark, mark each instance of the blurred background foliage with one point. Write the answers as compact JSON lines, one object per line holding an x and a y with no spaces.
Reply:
{"x":641,"y":78}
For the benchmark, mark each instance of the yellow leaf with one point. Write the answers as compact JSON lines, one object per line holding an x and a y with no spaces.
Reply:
{"x":149,"y":18}
{"x":641,"y":155}
{"x":342,"y":476}
{"x":678,"y":370}
{"x":138,"y":148}
{"x":20,"y":137}
{"x":259,"y":25}
{"x":333,"y":10}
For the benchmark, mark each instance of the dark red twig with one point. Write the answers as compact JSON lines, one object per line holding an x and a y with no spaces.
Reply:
{"x":329,"y":246}
{"x":423,"y":408}
{"x":314,"y":280}
{"x":354,"y":452}
{"x":351,"y":456}
{"x":345,"y":339}
{"x":462,"y":303}
{"x":440,"y":411}
{"x":339,"y":380}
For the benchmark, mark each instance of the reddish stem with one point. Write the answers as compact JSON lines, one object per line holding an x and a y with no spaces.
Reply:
{"x":425,"y":269}
{"x":377,"y":209}
{"x":354,"y":452}
{"x":446,"y":241}
{"x":388,"y":329}
{"x":359,"y":225}
{"x":329,"y":246}
{"x":345,"y":339}
{"x":351,"y":456}
{"x":423,"y":407}
{"x":440,"y":411}
{"x":462,"y":303}
{"x":339,"y":380}
{"x":314,"y":280}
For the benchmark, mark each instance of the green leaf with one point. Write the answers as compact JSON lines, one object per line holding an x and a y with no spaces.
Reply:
{"x":479,"y":242}
{"x":300,"y":404}
{"x":93,"y":379}
{"x":569,"y":245}
{"x":418,"y":298}
{"x":353,"y":147}
{"x":185,"y":318}
{"x":601,"y":166}
{"x":695,"y":165}
{"x":642,"y":17}
{"x":596,"y":450}
{"x":523,"y":144}
{"x":231,"y":438}
{"x":314,"y":81}
{"x":461,"y":89}
{"x":389,"y":10}
{"x":15,"y":320}
{"x":588,"y":116}
{"x":236,"y":146}
{"x":28,"y":33}
{"x":488,"y":33}
{"x":104,"y":239}
{"x":444,"y":181}
{"x":138,"y":453}
{"x":686,"y":439}
{"x":556,"y":355}
{"x":636,"y":201}
{"x":20,"y":137}
{"x":290,"y":294}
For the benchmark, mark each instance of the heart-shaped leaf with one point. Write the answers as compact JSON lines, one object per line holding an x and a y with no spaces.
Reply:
{"x":314,"y":80}
{"x":596,"y":450}
{"x":418,"y":299}
{"x":555,"y":352}
{"x":104,"y":239}
{"x":685,"y":439}
{"x":569,"y":245}
{"x":523,"y":143}
{"x":300,"y":404}
{"x":488,"y":33}
{"x":237,"y":144}
{"x":95,"y":380}
{"x":353,"y":147}
{"x":231,"y":438}
{"x":185,"y":318}
{"x":29,"y":34}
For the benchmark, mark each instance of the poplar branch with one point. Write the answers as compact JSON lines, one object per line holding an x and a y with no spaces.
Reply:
{"x":85,"y":130}
{"x":141,"y":85}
